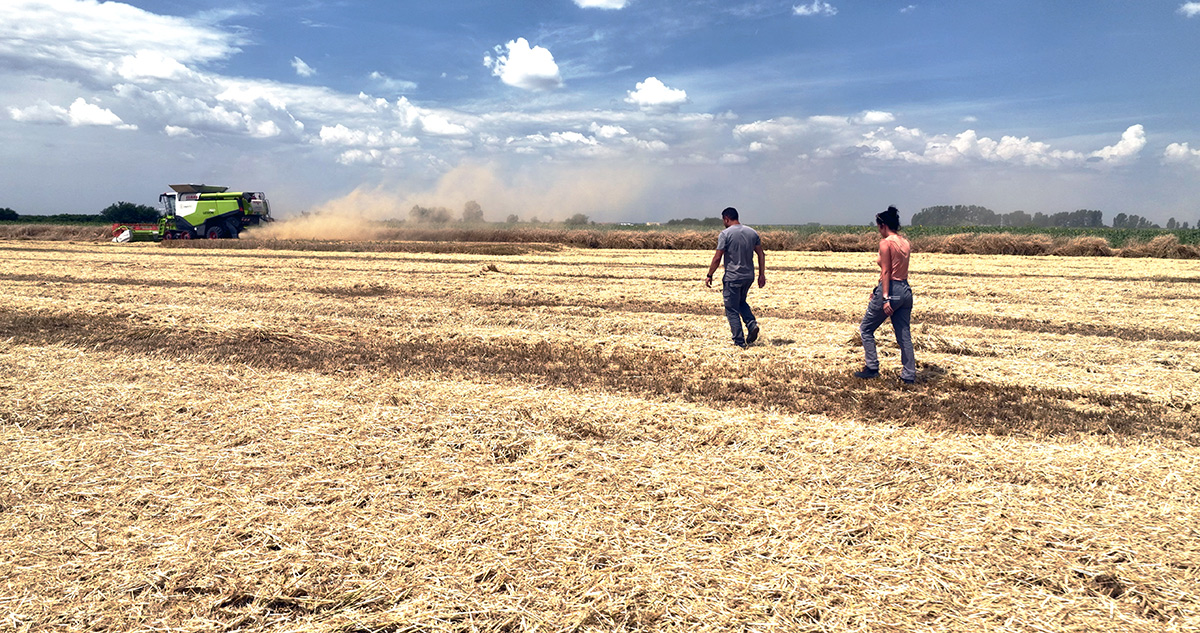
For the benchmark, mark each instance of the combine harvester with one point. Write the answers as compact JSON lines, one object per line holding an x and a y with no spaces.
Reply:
{"x":193,"y":211}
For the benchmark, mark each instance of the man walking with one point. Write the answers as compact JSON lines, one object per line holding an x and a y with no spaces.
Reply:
{"x":738,"y":244}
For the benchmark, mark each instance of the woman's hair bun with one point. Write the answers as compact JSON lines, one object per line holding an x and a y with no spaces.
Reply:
{"x":889,"y":218}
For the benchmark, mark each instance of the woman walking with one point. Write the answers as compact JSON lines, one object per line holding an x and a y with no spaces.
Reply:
{"x":891,"y":298}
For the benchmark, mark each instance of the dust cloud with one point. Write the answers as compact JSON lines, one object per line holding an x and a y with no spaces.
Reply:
{"x":552,"y":193}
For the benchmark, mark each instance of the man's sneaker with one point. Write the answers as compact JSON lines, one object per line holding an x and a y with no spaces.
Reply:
{"x":908,"y":381}
{"x":751,"y":332}
{"x":866,"y":372}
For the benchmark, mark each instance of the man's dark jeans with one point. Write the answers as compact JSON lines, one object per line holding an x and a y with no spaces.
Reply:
{"x":736,"y":308}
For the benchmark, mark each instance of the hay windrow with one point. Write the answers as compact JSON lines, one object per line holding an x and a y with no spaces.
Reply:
{"x":513,"y":240}
{"x":564,"y":440}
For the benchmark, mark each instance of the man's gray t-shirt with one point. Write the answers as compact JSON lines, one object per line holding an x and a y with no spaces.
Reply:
{"x":738,"y":242}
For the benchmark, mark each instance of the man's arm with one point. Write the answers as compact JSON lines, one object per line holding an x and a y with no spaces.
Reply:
{"x":712,"y":267}
{"x":762,"y":265}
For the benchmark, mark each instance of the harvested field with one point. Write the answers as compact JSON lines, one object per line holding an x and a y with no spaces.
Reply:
{"x":540,"y":437}
{"x":383,"y":237}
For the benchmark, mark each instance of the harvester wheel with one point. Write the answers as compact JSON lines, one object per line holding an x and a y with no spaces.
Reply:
{"x":185,"y":235}
{"x":214,"y":232}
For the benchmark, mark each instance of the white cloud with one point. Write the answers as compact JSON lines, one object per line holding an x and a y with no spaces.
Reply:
{"x":914,"y":147}
{"x":804,"y":135}
{"x":874,"y":117}
{"x":369,"y":138}
{"x":359,"y":156}
{"x":392,"y":85}
{"x":519,"y":65}
{"x":1181,"y":154}
{"x":41,"y":112}
{"x":569,"y":138}
{"x":149,"y":65}
{"x":176,"y":131}
{"x":607,"y":131}
{"x":1126,"y":150}
{"x":732,"y":159}
{"x":909,"y":9}
{"x":1190,"y":9}
{"x":902,"y":145}
{"x":265,"y":129}
{"x":653,"y":94}
{"x":84,"y":113}
{"x":91,"y":41}
{"x":417,"y":119}
{"x":254,"y":114}
{"x":79,"y":113}
{"x":818,"y":7}
{"x":302,"y":69}
{"x":602,"y":4}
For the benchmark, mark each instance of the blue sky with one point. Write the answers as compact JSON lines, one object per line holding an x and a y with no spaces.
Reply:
{"x":635,"y":110}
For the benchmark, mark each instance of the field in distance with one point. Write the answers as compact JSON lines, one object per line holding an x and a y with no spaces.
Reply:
{"x":560,"y":439}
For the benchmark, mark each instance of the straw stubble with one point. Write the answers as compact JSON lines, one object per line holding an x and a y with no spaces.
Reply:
{"x":563,"y":441}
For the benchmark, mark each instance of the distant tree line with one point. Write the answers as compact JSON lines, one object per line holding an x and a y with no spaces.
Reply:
{"x":696,"y":222}
{"x":118,"y":212}
{"x":973,"y":215}
{"x":472,"y":213}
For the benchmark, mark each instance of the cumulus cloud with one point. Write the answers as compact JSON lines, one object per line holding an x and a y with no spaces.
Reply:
{"x":607,"y":131}
{"x":302,"y":69}
{"x":602,"y":4}
{"x":815,"y":133}
{"x":257,"y":113}
{"x":912,"y":146}
{"x":149,"y":65}
{"x":818,"y":7}
{"x":653,"y":94}
{"x":420,"y":120}
{"x":368,"y":138}
{"x":902,"y":144}
{"x":875,"y":117}
{"x":865,"y":135}
{"x":1124,"y":151}
{"x":1190,"y":9}
{"x":79,"y":113}
{"x":1181,"y":154}
{"x":521,"y":66}
{"x":909,"y":9}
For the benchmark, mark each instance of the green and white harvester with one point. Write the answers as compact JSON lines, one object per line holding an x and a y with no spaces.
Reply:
{"x":199,"y":211}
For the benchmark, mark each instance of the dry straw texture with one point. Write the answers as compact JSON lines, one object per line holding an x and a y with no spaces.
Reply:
{"x":55,"y":232}
{"x":341,"y":234}
{"x":280,"y":440}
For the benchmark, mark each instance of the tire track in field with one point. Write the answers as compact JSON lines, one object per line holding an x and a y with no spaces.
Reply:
{"x":989,"y":321}
{"x":945,"y":403}
{"x":547,"y":299}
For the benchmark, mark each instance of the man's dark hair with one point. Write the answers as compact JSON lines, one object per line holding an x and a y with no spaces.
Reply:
{"x":890,"y":218}
{"x":730,"y":213}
